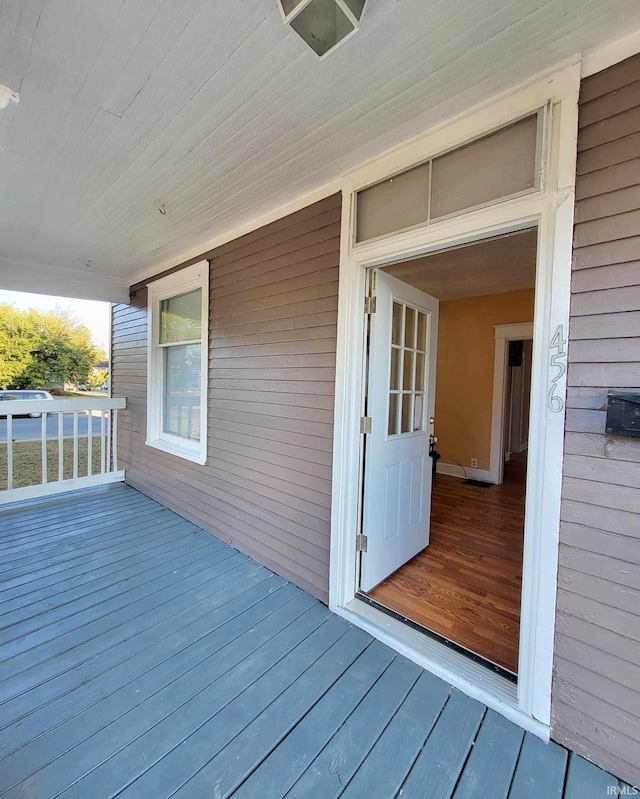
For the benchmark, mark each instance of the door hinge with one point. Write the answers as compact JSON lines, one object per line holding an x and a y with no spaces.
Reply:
{"x":365,"y":424}
{"x":369,"y":304}
{"x":361,"y":543}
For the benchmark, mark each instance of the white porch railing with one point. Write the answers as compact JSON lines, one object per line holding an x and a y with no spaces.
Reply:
{"x":74,"y":440}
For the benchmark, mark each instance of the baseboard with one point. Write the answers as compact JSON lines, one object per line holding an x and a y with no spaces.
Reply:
{"x":454,"y":470}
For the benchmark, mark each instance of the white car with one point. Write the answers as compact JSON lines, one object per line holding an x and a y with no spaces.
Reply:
{"x":24,"y":394}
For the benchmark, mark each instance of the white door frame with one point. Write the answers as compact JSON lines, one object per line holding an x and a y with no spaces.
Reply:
{"x":503,"y":334}
{"x":551,"y":209}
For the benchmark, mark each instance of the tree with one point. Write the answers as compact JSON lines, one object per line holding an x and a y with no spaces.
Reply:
{"x":37,"y":348}
{"x":98,"y":379}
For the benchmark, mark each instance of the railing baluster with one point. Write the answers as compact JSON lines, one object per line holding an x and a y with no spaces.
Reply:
{"x":75,"y":444}
{"x":114,"y":440}
{"x":9,"y":452}
{"x":89,"y":443}
{"x":60,"y":446}
{"x":108,"y":455}
{"x":43,"y":435}
{"x":103,"y":453}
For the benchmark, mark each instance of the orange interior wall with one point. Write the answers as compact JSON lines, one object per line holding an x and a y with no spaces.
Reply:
{"x":464,"y":375}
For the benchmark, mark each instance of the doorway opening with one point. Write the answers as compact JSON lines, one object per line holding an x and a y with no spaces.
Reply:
{"x":444,"y":491}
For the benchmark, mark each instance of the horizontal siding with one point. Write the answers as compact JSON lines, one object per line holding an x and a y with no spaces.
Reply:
{"x":266,"y":487}
{"x":596,"y":688}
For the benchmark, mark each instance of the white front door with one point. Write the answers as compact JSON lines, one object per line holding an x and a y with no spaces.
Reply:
{"x":400,"y":402}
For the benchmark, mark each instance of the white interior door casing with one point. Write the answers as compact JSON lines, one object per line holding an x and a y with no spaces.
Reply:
{"x":400,"y":402}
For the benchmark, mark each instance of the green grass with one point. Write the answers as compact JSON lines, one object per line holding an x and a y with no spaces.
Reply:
{"x":77,"y":395}
{"x":27,"y":461}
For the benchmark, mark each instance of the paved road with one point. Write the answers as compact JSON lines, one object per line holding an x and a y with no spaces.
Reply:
{"x":27,"y":429}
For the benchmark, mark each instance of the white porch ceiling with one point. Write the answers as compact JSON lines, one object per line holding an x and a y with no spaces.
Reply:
{"x":218,"y":112}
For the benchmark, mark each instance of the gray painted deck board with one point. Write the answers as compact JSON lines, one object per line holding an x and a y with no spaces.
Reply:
{"x":280,"y":771}
{"x":141,"y":657}
{"x":437,"y":768}
{"x":384,"y":771}
{"x":489,"y":769}
{"x":583,"y":777}
{"x":540,"y":771}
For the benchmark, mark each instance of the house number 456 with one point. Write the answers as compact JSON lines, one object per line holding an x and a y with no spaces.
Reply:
{"x":557,"y":360}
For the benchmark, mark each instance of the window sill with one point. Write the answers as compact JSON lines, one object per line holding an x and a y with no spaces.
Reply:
{"x":179,"y":452}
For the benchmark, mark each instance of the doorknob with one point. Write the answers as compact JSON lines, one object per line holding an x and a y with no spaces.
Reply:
{"x":431,"y":420}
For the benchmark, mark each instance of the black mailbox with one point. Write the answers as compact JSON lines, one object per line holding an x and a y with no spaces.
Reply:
{"x":623,"y":413}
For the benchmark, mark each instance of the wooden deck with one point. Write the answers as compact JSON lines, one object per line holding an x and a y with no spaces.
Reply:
{"x":140,"y":657}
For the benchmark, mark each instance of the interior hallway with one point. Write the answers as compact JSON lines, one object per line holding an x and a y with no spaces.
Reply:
{"x":466,"y":585}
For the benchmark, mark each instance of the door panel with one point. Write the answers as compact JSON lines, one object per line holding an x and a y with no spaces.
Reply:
{"x":401,"y":397}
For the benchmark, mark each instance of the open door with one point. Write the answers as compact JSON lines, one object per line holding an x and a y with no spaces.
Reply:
{"x":400,"y":402}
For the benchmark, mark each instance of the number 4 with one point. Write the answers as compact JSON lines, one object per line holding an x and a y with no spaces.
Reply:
{"x":558,"y":340}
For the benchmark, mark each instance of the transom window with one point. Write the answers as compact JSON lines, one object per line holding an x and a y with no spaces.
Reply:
{"x":495,"y":167}
{"x":178,"y":307}
{"x":407,"y":379}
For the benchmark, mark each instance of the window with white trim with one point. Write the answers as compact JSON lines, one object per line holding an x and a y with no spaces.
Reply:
{"x":178,"y":363}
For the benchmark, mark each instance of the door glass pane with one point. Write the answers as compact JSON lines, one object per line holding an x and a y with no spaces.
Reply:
{"x":419,"y":386}
{"x":407,"y":372}
{"x":394,"y":383}
{"x":182,"y":391}
{"x":405,"y":423}
{"x":499,"y":165}
{"x":399,"y":202}
{"x":396,"y":323}
{"x":418,"y":407}
{"x":181,"y":317}
{"x":410,"y":328}
{"x":407,"y":380}
{"x":421,"y":340}
{"x":393,"y":414}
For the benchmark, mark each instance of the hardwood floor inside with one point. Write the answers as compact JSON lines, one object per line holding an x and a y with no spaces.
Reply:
{"x":466,"y":585}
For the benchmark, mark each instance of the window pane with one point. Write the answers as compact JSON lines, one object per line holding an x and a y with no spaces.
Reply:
{"x":399,"y":202}
{"x":181,"y":317}
{"x":501,"y":164}
{"x":182,"y":391}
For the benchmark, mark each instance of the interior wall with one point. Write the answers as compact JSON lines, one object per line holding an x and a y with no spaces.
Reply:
{"x":464,"y":375}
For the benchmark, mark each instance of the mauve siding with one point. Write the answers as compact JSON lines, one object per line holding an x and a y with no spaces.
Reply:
{"x":266,"y":487}
{"x":596,"y":688}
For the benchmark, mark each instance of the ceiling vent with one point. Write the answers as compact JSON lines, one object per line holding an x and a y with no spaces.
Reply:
{"x":322,"y":24}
